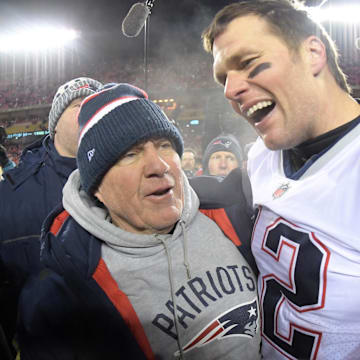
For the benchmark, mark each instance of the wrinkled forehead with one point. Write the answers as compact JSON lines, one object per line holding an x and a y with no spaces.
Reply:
{"x":154,"y":139}
{"x":222,"y":154}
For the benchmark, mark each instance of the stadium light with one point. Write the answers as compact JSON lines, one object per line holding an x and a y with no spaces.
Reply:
{"x":36,"y":39}
{"x":344,"y":13}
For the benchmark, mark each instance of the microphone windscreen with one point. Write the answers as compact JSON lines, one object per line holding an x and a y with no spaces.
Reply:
{"x":135,"y":20}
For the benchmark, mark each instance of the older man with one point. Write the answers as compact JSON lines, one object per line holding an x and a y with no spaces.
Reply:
{"x":134,"y":269}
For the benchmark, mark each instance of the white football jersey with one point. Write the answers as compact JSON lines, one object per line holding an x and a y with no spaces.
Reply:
{"x":306,"y":242}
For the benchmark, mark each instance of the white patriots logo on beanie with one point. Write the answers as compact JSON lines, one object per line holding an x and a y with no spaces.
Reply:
{"x":226,"y":143}
{"x":90,"y":154}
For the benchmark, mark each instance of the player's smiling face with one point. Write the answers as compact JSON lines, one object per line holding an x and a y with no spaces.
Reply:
{"x":268,"y":84}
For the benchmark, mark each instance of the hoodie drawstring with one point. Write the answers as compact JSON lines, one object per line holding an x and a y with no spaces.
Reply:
{"x":187,"y":267}
{"x":186,"y":259}
{"x":173,"y":298}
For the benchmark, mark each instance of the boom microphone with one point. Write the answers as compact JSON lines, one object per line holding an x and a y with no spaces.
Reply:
{"x":135,"y":19}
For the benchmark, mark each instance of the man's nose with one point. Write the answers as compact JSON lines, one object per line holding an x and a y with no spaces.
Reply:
{"x":154,"y":165}
{"x":236,"y":85}
{"x":223,"y":163}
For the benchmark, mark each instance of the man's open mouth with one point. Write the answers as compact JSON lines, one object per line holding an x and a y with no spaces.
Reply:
{"x":161,"y":192}
{"x":258,"y":111}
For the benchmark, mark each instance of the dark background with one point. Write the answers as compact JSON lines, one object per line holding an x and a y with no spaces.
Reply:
{"x":174,"y":25}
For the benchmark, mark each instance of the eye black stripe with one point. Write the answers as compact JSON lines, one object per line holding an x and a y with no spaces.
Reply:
{"x":259,"y":69}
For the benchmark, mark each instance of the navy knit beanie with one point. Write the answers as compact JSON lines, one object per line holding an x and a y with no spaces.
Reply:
{"x":222,"y":143}
{"x":111,"y":122}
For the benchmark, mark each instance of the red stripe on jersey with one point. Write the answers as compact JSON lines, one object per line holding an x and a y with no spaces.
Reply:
{"x":58,"y":222}
{"x":103,"y":277}
{"x":220,"y":217}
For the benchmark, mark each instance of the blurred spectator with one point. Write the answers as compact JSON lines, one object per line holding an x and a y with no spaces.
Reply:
{"x":222,"y":155}
{"x":31,"y":190}
{"x":2,"y":135}
{"x":5,"y":163}
{"x":198,"y":165}
{"x":14,"y":151}
{"x":188,"y":162}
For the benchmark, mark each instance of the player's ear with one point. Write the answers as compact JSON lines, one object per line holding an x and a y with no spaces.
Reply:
{"x":316,"y":54}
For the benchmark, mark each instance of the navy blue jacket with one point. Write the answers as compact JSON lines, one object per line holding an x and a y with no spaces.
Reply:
{"x":94,"y":321}
{"x":28,"y":193}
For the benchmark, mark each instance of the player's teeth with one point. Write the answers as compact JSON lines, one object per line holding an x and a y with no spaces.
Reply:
{"x":258,"y":106}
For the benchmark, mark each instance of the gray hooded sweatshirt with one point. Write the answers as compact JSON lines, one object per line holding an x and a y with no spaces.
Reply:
{"x":192,"y":290}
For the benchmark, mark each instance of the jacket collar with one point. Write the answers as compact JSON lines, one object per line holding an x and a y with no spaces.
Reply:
{"x":38,"y":154}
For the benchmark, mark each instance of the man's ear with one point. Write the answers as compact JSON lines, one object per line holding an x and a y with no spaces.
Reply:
{"x":316,"y":52}
{"x":98,"y":195}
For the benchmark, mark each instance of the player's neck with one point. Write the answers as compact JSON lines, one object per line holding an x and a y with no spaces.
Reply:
{"x":337,"y":109}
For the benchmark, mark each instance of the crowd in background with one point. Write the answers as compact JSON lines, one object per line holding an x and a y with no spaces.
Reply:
{"x":29,"y":90}
{"x":14,"y":152}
